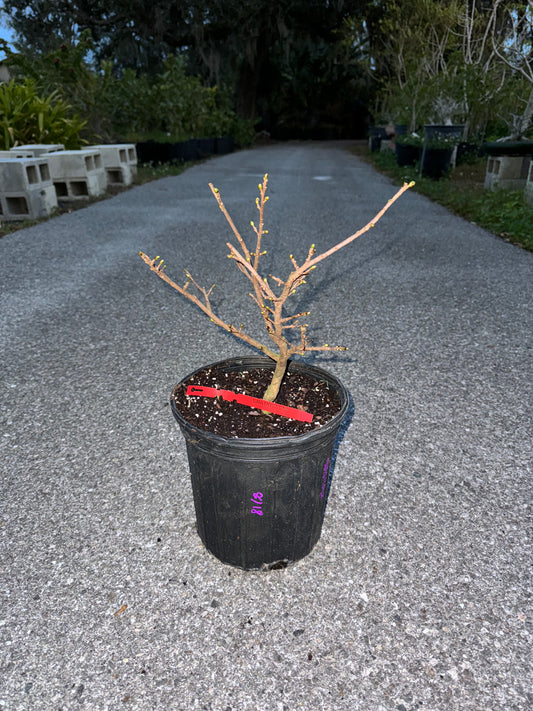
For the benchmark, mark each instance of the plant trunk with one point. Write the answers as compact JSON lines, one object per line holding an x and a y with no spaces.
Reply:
{"x":272,"y":391}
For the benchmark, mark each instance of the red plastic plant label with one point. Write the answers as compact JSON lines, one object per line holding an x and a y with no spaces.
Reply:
{"x":255,"y":402}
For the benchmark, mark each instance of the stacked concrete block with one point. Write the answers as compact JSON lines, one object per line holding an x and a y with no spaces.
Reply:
{"x":528,"y":190}
{"x":26,"y":189}
{"x":120,"y":162}
{"x":15,"y":153}
{"x":507,"y":172}
{"x":78,"y":175}
{"x":38,"y":149}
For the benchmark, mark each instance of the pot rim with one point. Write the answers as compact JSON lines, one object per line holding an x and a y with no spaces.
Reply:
{"x":262,"y":361}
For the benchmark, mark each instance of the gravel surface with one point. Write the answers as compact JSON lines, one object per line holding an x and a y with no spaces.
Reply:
{"x":415,"y":597}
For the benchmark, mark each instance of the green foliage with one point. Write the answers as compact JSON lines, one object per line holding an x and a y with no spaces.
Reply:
{"x":410,"y":139}
{"x":130,"y":106}
{"x":67,"y":71}
{"x":26,"y":117}
{"x":475,"y":63}
{"x":171,"y":106}
{"x":185,"y":108}
{"x":148,"y":172}
{"x":41,"y":25}
{"x":262,"y":49}
{"x":504,"y":212}
{"x":128,"y":102}
{"x":242,"y":130}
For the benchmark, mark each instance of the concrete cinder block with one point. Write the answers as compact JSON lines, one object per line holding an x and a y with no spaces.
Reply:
{"x":28,"y":205}
{"x":16,"y":154}
{"x":20,"y":174}
{"x":120,"y":162}
{"x":78,"y":175}
{"x":528,"y":190}
{"x":507,"y":172}
{"x":26,"y":189}
{"x":38,"y":149}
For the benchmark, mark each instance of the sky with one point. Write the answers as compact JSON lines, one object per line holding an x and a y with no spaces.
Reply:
{"x":5,"y":32}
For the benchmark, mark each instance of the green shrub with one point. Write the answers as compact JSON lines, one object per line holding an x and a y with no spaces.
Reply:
{"x":170,"y":106}
{"x":26,"y":117}
{"x":130,"y":106}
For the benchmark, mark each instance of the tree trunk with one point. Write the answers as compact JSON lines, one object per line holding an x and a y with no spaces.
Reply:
{"x":527,"y":115}
{"x":272,"y":391}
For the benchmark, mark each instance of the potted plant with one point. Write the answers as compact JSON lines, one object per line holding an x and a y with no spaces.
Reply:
{"x":261,"y":430}
{"x":408,"y":147}
{"x":440,"y":143}
{"x":376,"y":134}
{"x":517,"y":143}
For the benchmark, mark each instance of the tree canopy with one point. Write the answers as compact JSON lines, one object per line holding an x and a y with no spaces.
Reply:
{"x":297,"y":65}
{"x":280,"y":57}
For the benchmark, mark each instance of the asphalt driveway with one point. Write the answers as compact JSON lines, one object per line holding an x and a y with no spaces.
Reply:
{"x":415,"y":597}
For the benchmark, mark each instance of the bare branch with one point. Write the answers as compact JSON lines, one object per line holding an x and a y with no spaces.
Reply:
{"x":205,"y":306}
{"x":275,"y":322}
{"x":230,"y":221}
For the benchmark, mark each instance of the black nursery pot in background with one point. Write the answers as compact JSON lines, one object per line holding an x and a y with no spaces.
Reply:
{"x":406,"y":154}
{"x":260,"y":503}
{"x":376,"y":135}
{"x":436,"y":162}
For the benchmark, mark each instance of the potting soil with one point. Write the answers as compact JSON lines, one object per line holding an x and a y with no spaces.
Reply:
{"x":231,"y":419}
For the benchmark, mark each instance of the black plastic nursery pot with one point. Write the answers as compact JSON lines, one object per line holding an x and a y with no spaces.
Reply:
{"x":260,"y":503}
{"x":406,"y":154}
{"x":436,"y":162}
{"x":436,"y":131}
{"x":376,"y":135}
{"x":508,"y":148}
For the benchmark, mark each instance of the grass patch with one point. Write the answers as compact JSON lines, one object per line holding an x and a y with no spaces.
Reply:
{"x":503,"y":212}
{"x":148,"y":172}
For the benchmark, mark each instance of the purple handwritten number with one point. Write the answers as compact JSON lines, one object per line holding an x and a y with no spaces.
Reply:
{"x":324,"y":479}
{"x":257,"y":499}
